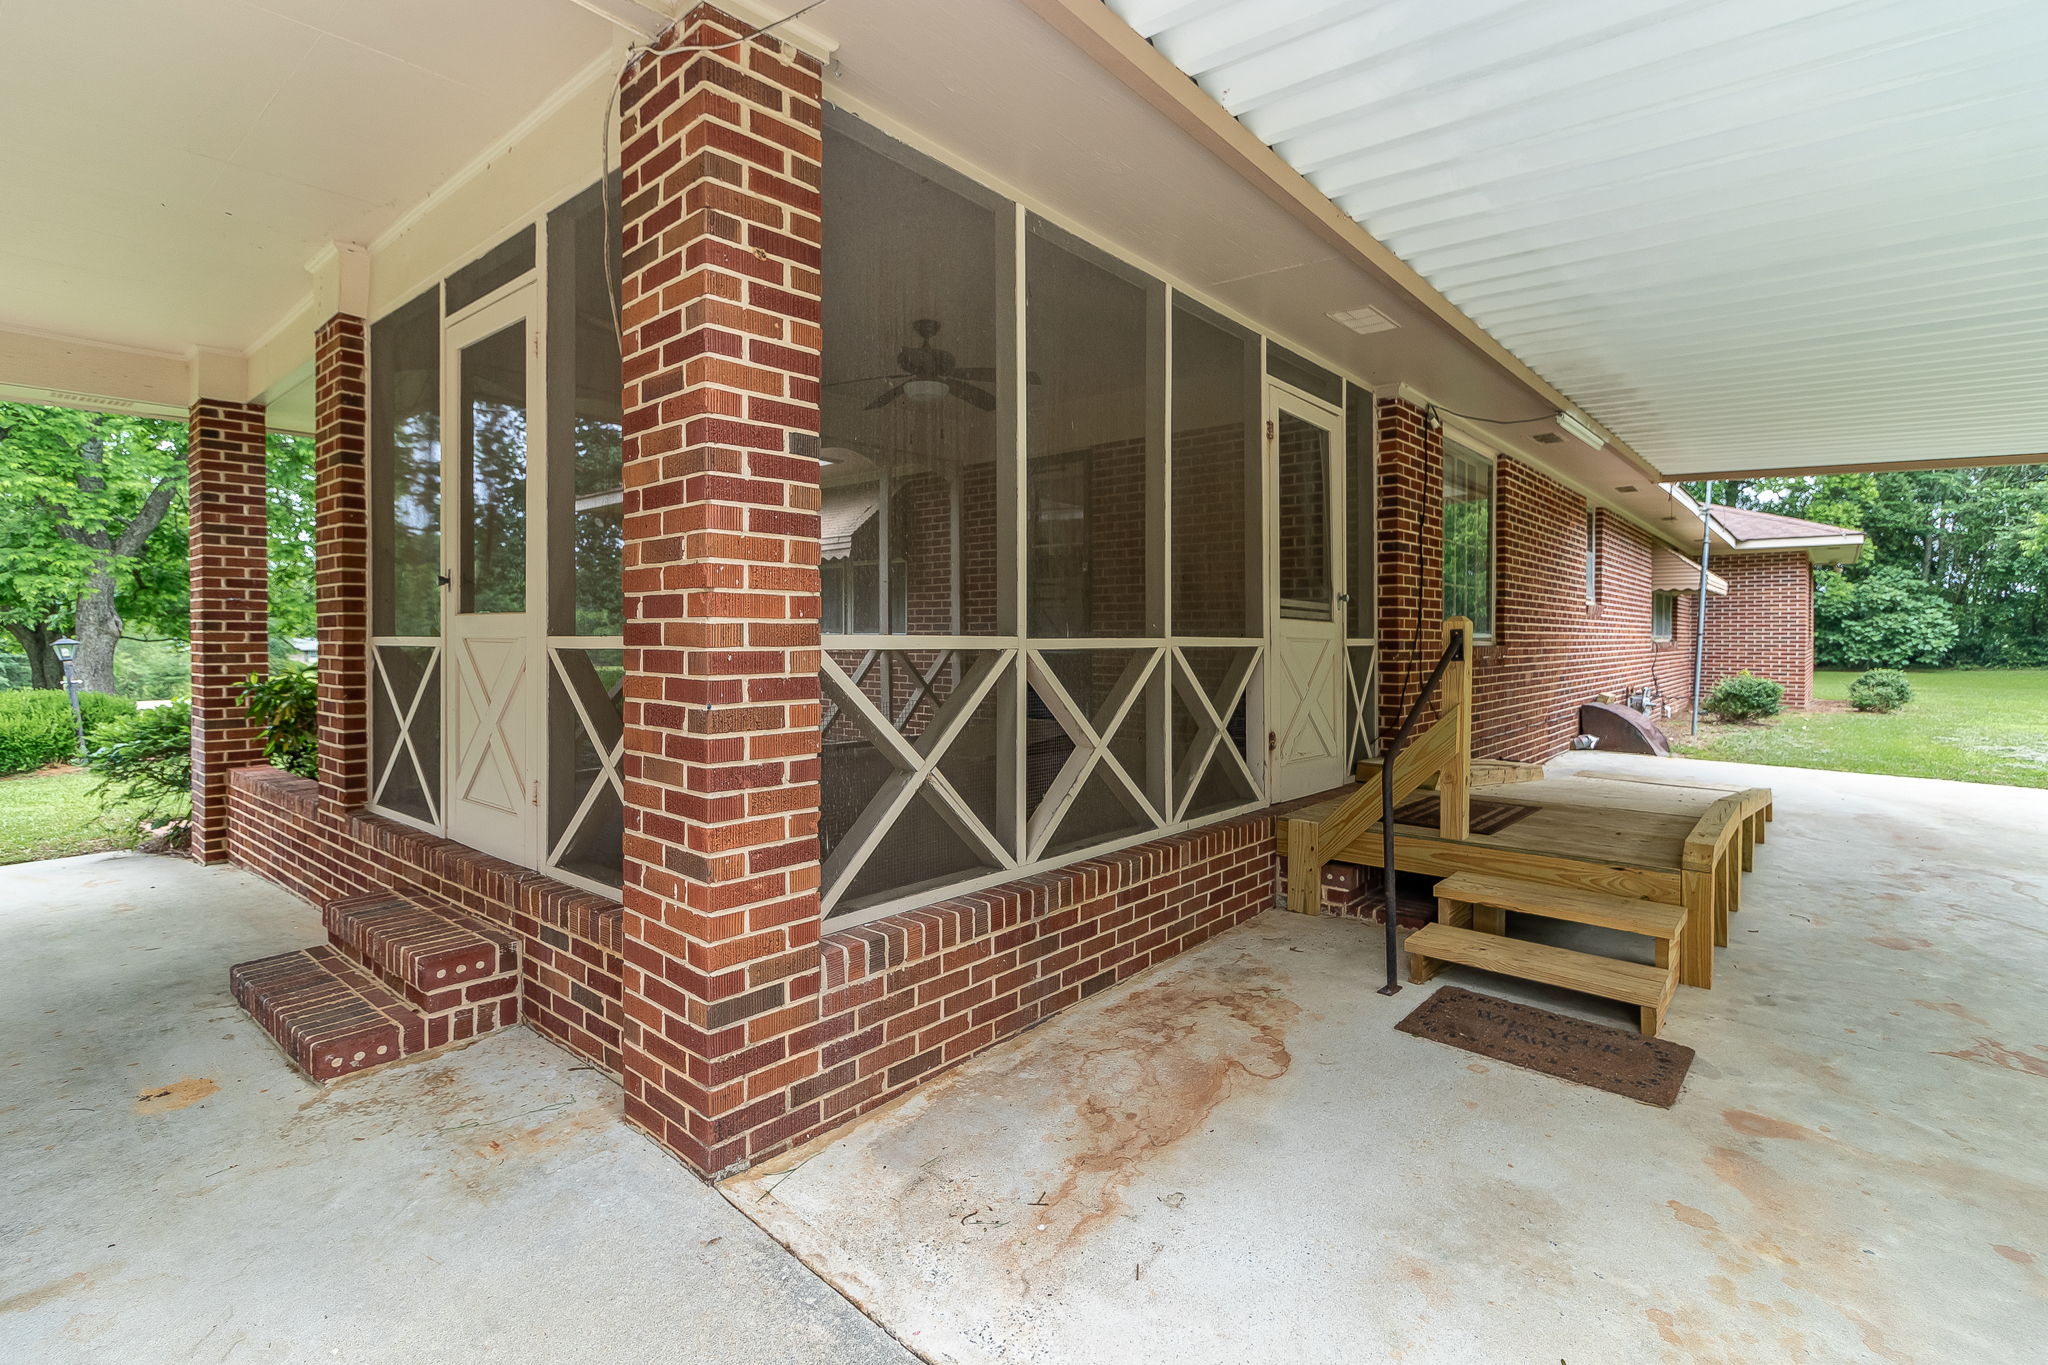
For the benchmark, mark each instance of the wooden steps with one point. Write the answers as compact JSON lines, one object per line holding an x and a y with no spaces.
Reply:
{"x":1576,"y":904}
{"x":1649,"y":989}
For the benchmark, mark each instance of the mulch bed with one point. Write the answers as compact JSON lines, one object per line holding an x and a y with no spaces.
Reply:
{"x":1619,"y":1061}
{"x":1488,"y":817}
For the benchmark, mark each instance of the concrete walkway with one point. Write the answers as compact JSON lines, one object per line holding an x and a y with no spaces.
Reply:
{"x":170,"y":1190}
{"x":1235,"y":1158}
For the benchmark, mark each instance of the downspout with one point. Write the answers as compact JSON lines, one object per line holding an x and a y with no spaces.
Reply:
{"x":1699,"y":635}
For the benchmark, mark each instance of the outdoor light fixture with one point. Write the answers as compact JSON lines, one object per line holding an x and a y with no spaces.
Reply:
{"x":1578,"y":428}
{"x":65,"y":650}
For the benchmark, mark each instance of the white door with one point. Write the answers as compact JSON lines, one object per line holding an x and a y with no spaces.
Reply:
{"x":493,"y":429}
{"x":1306,"y":682}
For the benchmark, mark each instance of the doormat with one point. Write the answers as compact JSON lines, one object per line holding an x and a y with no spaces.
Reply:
{"x":1488,"y":817}
{"x":1619,"y":1061}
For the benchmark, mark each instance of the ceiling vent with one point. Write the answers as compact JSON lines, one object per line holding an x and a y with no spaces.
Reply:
{"x":1548,"y":438}
{"x":1625,"y":488}
{"x":1365,"y":321}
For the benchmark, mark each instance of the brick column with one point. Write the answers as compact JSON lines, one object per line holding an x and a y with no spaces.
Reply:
{"x":721,"y":309}
{"x":230,"y":566}
{"x":1411,"y":553}
{"x":341,"y":559}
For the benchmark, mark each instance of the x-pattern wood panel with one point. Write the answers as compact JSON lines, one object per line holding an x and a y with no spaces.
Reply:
{"x":488,"y":703}
{"x":407,"y":711}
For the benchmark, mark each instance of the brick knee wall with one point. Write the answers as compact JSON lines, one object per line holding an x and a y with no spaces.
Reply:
{"x":570,"y":940}
{"x":911,"y":994}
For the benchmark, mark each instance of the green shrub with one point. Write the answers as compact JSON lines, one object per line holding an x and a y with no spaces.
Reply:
{"x":1746,"y":697}
{"x":284,"y":704}
{"x":1881,"y":689}
{"x":144,"y":761}
{"x":36,"y":728}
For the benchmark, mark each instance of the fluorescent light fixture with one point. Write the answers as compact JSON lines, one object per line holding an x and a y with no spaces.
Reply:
{"x":1576,"y":426}
{"x":1365,"y":321}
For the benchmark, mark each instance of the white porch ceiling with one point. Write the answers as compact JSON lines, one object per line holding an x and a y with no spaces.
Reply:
{"x":1744,"y":235}
{"x":172,"y":165}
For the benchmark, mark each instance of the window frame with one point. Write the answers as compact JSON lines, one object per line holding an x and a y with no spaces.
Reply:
{"x":1490,"y":455}
{"x":1592,"y":555}
{"x":1663,"y":601}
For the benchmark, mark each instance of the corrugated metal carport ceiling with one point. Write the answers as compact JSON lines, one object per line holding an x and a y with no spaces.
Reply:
{"x":1743,"y":234}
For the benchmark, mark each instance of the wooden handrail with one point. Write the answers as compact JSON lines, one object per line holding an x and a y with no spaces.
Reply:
{"x":1443,"y":751}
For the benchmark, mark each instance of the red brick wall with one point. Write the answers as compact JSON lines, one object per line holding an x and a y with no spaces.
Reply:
{"x":570,"y":940}
{"x":720,"y":299}
{"x":1410,"y":550}
{"x":341,"y":553}
{"x":230,"y":567}
{"x":1764,"y":624}
{"x":1553,"y":650}
{"x":919,"y":991}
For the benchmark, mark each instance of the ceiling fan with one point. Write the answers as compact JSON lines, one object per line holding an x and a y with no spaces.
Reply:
{"x":929,"y":373}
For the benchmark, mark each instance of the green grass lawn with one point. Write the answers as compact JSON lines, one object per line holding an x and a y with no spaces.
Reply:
{"x":54,"y":815}
{"x":1988,"y":725}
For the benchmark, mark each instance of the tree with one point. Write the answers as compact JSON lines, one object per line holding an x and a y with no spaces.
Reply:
{"x":82,"y":496}
{"x":1977,"y":539}
{"x":288,"y":494}
{"x":1889,"y":619}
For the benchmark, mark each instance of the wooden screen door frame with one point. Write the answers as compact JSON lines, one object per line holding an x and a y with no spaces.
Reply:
{"x":1295,"y":730}
{"x":516,"y":726}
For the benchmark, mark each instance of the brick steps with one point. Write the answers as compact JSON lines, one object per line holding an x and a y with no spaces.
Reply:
{"x":435,"y":957}
{"x":398,"y":978}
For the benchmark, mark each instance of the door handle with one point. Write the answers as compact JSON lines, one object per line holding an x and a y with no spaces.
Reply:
{"x":443,"y":579}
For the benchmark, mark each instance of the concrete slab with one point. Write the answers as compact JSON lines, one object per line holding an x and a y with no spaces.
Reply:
{"x":1235,"y":1158}
{"x":171,"y":1190}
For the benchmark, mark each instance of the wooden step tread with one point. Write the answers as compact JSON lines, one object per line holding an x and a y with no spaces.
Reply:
{"x":1565,"y":902}
{"x":1630,"y":982}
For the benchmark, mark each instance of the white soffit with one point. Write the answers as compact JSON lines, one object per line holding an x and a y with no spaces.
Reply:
{"x":172,"y":165}
{"x":1745,"y":235}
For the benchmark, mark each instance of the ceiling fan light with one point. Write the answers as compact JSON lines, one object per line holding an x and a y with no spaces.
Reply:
{"x":924,"y":390}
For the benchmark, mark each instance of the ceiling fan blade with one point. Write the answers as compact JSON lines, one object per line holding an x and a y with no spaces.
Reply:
{"x":967,"y":393}
{"x":980,"y":374}
{"x":889,"y":395}
{"x":864,"y":379}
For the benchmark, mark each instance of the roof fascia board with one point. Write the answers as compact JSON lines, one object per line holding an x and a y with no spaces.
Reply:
{"x":1865,"y":467}
{"x":1105,"y":38}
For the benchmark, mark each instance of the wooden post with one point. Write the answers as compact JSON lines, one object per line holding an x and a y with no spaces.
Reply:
{"x":1454,"y":784}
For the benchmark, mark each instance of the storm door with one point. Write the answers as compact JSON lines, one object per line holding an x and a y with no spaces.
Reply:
{"x":1307,"y":677}
{"x":493,"y":678}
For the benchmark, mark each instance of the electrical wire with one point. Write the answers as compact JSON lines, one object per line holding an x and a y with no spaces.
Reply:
{"x":634,"y":54}
{"x":1434,"y":411}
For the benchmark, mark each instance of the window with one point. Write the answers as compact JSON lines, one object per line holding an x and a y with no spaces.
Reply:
{"x":1592,"y":557}
{"x":1032,"y":651}
{"x":1468,"y":537}
{"x":1663,"y":615}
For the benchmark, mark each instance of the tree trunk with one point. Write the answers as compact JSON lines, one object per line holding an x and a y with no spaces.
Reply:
{"x":96,"y":621}
{"x":98,"y":625}
{"x":44,"y":670}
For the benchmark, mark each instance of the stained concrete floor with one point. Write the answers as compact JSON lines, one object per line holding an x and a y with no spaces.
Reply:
{"x":1235,"y":1158}
{"x":170,"y":1190}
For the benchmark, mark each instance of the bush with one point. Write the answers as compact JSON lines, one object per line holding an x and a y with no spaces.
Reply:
{"x":1881,"y":689}
{"x":36,"y":728}
{"x":284,"y":704}
{"x":1746,"y":697}
{"x":144,"y":760}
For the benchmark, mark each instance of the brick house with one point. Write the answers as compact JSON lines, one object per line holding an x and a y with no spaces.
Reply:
{"x":835,"y":584}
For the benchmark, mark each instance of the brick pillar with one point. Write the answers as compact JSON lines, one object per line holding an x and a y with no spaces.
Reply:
{"x":721,"y":309}
{"x":230,"y":566}
{"x":1411,"y":553}
{"x":341,"y":559}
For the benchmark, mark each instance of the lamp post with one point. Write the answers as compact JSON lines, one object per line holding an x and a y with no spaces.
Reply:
{"x":64,"y":650}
